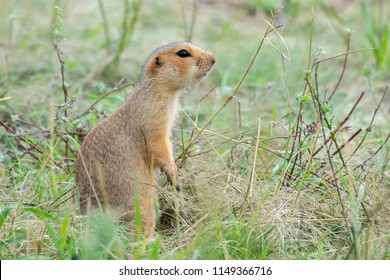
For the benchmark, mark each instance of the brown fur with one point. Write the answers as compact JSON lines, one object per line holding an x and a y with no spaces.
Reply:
{"x":121,"y":157}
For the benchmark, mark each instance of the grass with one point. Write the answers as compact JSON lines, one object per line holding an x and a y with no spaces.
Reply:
{"x":283,"y":150}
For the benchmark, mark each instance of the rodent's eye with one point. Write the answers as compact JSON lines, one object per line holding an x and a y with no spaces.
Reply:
{"x":183,"y":53}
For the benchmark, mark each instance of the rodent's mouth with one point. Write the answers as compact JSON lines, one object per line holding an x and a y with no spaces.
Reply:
{"x":203,"y":75}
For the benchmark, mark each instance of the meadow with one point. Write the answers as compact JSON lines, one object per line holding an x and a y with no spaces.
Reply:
{"x":283,"y":150}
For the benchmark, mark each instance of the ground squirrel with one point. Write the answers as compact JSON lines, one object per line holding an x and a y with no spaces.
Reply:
{"x":120,"y":159}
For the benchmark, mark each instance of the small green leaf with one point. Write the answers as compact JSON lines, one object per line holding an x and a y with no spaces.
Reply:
{"x":303,"y":98}
{"x":306,"y":145}
{"x":41,"y":214}
{"x":3,"y":215}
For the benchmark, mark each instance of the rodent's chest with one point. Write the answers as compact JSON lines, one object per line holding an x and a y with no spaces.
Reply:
{"x":171,"y":113}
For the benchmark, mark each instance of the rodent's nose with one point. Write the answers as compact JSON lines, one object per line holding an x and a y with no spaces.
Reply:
{"x":212,"y":60}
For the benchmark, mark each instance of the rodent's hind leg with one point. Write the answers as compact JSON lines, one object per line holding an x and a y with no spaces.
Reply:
{"x":148,"y":207}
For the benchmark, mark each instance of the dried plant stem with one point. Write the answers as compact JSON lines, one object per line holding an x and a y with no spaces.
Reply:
{"x":322,"y":119}
{"x":62,"y":75}
{"x":368,"y":129}
{"x":31,"y":146}
{"x":311,"y":154}
{"x":374,"y":153}
{"x":65,"y":91}
{"x":208,"y":141}
{"x":346,"y":142}
{"x":249,"y":191}
{"x":343,"y":69}
{"x":297,"y":138}
{"x":101,"y":98}
{"x":340,"y":125}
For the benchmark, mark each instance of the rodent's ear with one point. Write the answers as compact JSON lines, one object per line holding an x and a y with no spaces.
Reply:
{"x":154,"y":64}
{"x":157,"y":60}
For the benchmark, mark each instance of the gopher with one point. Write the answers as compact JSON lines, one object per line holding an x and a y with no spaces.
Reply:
{"x":121,"y":158}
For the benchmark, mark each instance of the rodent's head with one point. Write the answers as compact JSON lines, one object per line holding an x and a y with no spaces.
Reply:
{"x":177,"y":65}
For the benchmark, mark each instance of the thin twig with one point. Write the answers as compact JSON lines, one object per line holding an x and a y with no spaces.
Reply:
{"x":348,"y":141}
{"x":31,"y":146}
{"x":101,"y":98}
{"x":28,"y":150}
{"x":374,"y":154}
{"x":343,"y":69}
{"x":65,"y":91}
{"x":340,"y":55}
{"x":62,"y":69}
{"x":368,"y":129}
{"x":23,"y":121}
{"x":248,"y":195}
{"x":213,"y":148}
{"x":297,"y":139}
{"x":340,"y":125}
{"x":322,"y":118}
{"x":332,"y":167}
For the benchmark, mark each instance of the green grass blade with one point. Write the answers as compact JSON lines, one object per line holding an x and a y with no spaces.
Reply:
{"x":3,"y":215}
{"x":41,"y":214}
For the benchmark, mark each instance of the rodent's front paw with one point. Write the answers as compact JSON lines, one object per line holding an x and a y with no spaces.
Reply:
{"x":172,"y":178}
